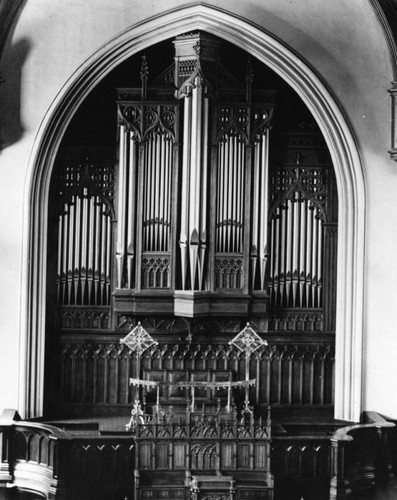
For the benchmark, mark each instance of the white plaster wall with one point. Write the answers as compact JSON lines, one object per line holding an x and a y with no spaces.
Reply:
{"x":341,"y":40}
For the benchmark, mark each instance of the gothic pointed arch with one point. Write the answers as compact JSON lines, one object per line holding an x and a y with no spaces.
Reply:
{"x":335,"y":130}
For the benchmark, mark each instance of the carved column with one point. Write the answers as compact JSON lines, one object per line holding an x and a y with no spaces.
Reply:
{"x":340,"y":487}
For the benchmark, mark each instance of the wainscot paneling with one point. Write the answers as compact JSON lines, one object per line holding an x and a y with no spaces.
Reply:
{"x":88,"y":374}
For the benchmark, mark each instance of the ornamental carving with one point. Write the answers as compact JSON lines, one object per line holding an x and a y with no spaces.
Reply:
{"x":144,"y":120}
{"x":86,"y":180}
{"x":299,"y":183}
{"x":155,"y":272}
{"x":83,"y":318}
{"x":228,"y":272}
{"x":232,"y":121}
{"x":296,"y":320}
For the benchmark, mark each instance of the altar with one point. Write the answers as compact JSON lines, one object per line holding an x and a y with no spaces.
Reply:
{"x":194,"y":438}
{"x":226,"y":454}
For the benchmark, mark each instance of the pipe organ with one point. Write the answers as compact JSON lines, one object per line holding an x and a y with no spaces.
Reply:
{"x":193,"y":181}
{"x":85,"y":242}
{"x":215,"y":213}
{"x":296,"y":225}
{"x":147,"y":167}
{"x":197,"y":219}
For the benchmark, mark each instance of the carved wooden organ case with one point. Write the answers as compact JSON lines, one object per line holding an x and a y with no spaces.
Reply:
{"x":192,"y":190}
{"x":209,"y":218}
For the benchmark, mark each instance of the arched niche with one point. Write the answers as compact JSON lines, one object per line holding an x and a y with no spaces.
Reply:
{"x":336,"y":132}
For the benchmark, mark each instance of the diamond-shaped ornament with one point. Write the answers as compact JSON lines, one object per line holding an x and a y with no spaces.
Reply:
{"x":247,"y":340}
{"x":138,"y":339}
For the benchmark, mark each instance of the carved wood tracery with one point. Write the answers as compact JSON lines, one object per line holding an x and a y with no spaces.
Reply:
{"x":97,"y":374}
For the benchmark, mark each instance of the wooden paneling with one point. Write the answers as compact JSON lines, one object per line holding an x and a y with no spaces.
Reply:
{"x":361,"y":460}
{"x":301,"y":467}
{"x":97,"y":374}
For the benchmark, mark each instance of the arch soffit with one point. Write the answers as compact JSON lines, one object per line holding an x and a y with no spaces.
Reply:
{"x":336,"y":131}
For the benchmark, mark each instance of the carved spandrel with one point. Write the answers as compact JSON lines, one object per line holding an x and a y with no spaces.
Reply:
{"x":144,"y":119}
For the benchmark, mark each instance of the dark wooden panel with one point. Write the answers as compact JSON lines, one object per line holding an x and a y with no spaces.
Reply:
{"x":301,"y":467}
{"x":96,"y":375}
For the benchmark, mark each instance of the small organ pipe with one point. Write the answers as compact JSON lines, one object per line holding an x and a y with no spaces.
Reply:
{"x":185,"y":183}
{"x":121,"y":206}
{"x":239,"y":205}
{"x":303,"y":249}
{"x":264,"y":208}
{"x":76,"y":249}
{"x":287,"y":249}
{"x":199,"y":154}
{"x":165,"y":197}
{"x":146,"y":199}
{"x":102,"y":247}
{"x":204,"y":188}
{"x":65,"y":237}
{"x":152,"y":191}
{"x":155,"y":205}
{"x":255,"y":212}
{"x":159,"y":191}
{"x":230,"y":197}
{"x":298,"y":249}
{"x":168,"y":197}
{"x":97,"y":250}
{"x":314,"y":256}
{"x":224,"y":196}
{"x":161,"y":186}
{"x":83,"y":229}
{"x":309,"y":255}
{"x":131,"y":209}
{"x":282,"y":249}
{"x":70,"y":248}
{"x":255,"y":204}
{"x":108,"y":258}
{"x":203,"y":197}
{"x":219,"y":196}
{"x":91,"y":249}
{"x":60,"y":260}
{"x":320,"y":264}
{"x":230,"y":193}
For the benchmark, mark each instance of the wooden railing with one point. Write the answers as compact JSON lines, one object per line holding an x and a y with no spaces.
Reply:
{"x":361,"y":459}
{"x":51,"y":463}
{"x":30,"y":457}
{"x":354,"y":463}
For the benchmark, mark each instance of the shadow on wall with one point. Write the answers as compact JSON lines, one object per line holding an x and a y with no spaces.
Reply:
{"x":10,"y":121}
{"x":11,"y":127}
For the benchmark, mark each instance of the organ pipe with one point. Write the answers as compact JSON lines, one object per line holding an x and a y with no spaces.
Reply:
{"x":156,"y":194}
{"x":131,"y":209}
{"x":84,"y":251}
{"x":193,"y":235}
{"x":297,"y":247}
{"x":183,"y":239}
{"x":121,"y":206}
{"x":203,"y":190}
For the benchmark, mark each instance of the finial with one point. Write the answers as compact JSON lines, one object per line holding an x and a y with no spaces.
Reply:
{"x":198,"y":48}
{"x":144,"y":77}
{"x":249,"y":76}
